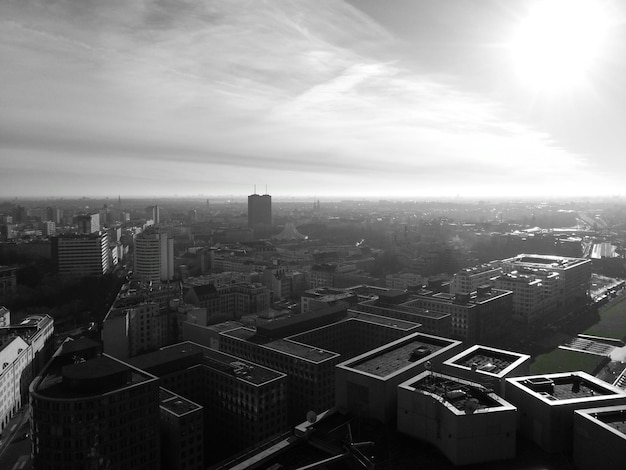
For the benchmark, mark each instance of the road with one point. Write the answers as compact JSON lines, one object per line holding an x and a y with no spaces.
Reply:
{"x":15,"y":450}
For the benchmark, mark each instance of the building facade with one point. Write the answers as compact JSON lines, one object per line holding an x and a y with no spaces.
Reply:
{"x":81,"y":255}
{"x":259,"y":209}
{"x":154,"y":257}
{"x":91,"y":411}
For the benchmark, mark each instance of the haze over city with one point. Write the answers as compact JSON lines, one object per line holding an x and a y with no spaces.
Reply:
{"x":414,"y":99}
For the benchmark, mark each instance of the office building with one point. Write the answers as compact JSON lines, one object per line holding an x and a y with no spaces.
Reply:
{"x":324,"y":297}
{"x":574,"y":275}
{"x":467,"y":422}
{"x":182,"y":432}
{"x":480,"y":316}
{"x":91,"y":411}
{"x":534,"y":297}
{"x":233,"y":300}
{"x":243,"y":402}
{"x":143,"y":318}
{"x":397,"y":304}
{"x":154,"y":257}
{"x":84,"y":255}
{"x":310,"y":371}
{"x":366,"y":385}
{"x":546,"y":405}
{"x":87,"y":223}
{"x":356,"y":334}
{"x":469,"y":279}
{"x":153,"y":213}
{"x":259,"y":210}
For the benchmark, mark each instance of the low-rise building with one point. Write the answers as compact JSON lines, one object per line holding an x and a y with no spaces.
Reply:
{"x":24,"y":348}
{"x":467,"y":422}
{"x":546,"y":405}
{"x":488,"y":366}
{"x":366,"y":385}
{"x":600,"y":438}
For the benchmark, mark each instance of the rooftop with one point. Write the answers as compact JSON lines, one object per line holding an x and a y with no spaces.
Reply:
{"x":301,"y":351}
{"x":613,"y":417}
{"x":458,"y":393}
{"x":94,"y":377}
{"x":176,"y":404}
{"x":548,"y":261}
{"x":566,"y":386}
{"x":381,"y":320}
{"x":393,"y":357}
{"x":187,"y":354}
{"x":488,"y":360}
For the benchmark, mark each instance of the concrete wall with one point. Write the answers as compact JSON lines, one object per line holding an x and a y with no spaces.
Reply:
{"x":595,"y":446}
{"x":463,"y":438}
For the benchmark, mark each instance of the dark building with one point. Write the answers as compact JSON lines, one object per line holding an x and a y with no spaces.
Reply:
{"x":259,"y":210}
{"x":91,"y":411}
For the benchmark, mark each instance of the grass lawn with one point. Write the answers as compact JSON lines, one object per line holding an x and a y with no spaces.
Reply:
{"x":612,"y":322}
{"x":562,"y":360}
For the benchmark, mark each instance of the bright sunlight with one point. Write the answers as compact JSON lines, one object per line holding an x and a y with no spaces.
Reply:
{"x":559,"y":42}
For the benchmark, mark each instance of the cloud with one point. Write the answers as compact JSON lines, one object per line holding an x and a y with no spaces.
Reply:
{"x":238,"y":89}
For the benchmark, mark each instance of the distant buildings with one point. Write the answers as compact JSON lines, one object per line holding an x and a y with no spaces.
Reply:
{"x":88,"y":223}
{"x":153,"y":213}
{"x":141,"y":319}
{"x":154,"y":257}
{"x":541,"y":284}
{"x":574,"y":275}
{"x":259,"y":210}
{"x":231,"y":300}
{"x":480,"y":316}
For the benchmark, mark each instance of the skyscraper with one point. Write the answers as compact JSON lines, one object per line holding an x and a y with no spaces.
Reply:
{"x":259,"y":209}
{"x":88,"y":223}
{"x":154,"y":257}
{"x":153,"y":213}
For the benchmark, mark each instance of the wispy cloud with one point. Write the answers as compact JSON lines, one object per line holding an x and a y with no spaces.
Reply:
{"x":244,"y":91}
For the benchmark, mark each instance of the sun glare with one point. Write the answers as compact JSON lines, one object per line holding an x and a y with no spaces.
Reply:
{"x":559,"y":42}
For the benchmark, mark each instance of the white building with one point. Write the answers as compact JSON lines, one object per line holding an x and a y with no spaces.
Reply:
{"x":21,"y":349}
{"x":154,"y":257}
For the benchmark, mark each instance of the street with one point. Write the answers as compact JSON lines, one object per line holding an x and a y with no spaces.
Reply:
{"x":15,"y":448}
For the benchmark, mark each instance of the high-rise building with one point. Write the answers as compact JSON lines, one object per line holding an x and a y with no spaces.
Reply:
{"x":88,"y":223}
{"x":153,"y":213}
{"x":154,"y":257}
{"x":81,"y":255}
{"x":259,"y":209}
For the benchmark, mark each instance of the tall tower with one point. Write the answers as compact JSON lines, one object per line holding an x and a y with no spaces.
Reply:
{"x":259,"y":209}
{"x":154,"y":257}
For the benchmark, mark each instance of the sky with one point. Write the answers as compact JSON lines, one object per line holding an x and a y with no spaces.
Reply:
{"x":363,"y":98}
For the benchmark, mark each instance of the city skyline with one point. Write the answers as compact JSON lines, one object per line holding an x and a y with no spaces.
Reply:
{"x":328,"y":98}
